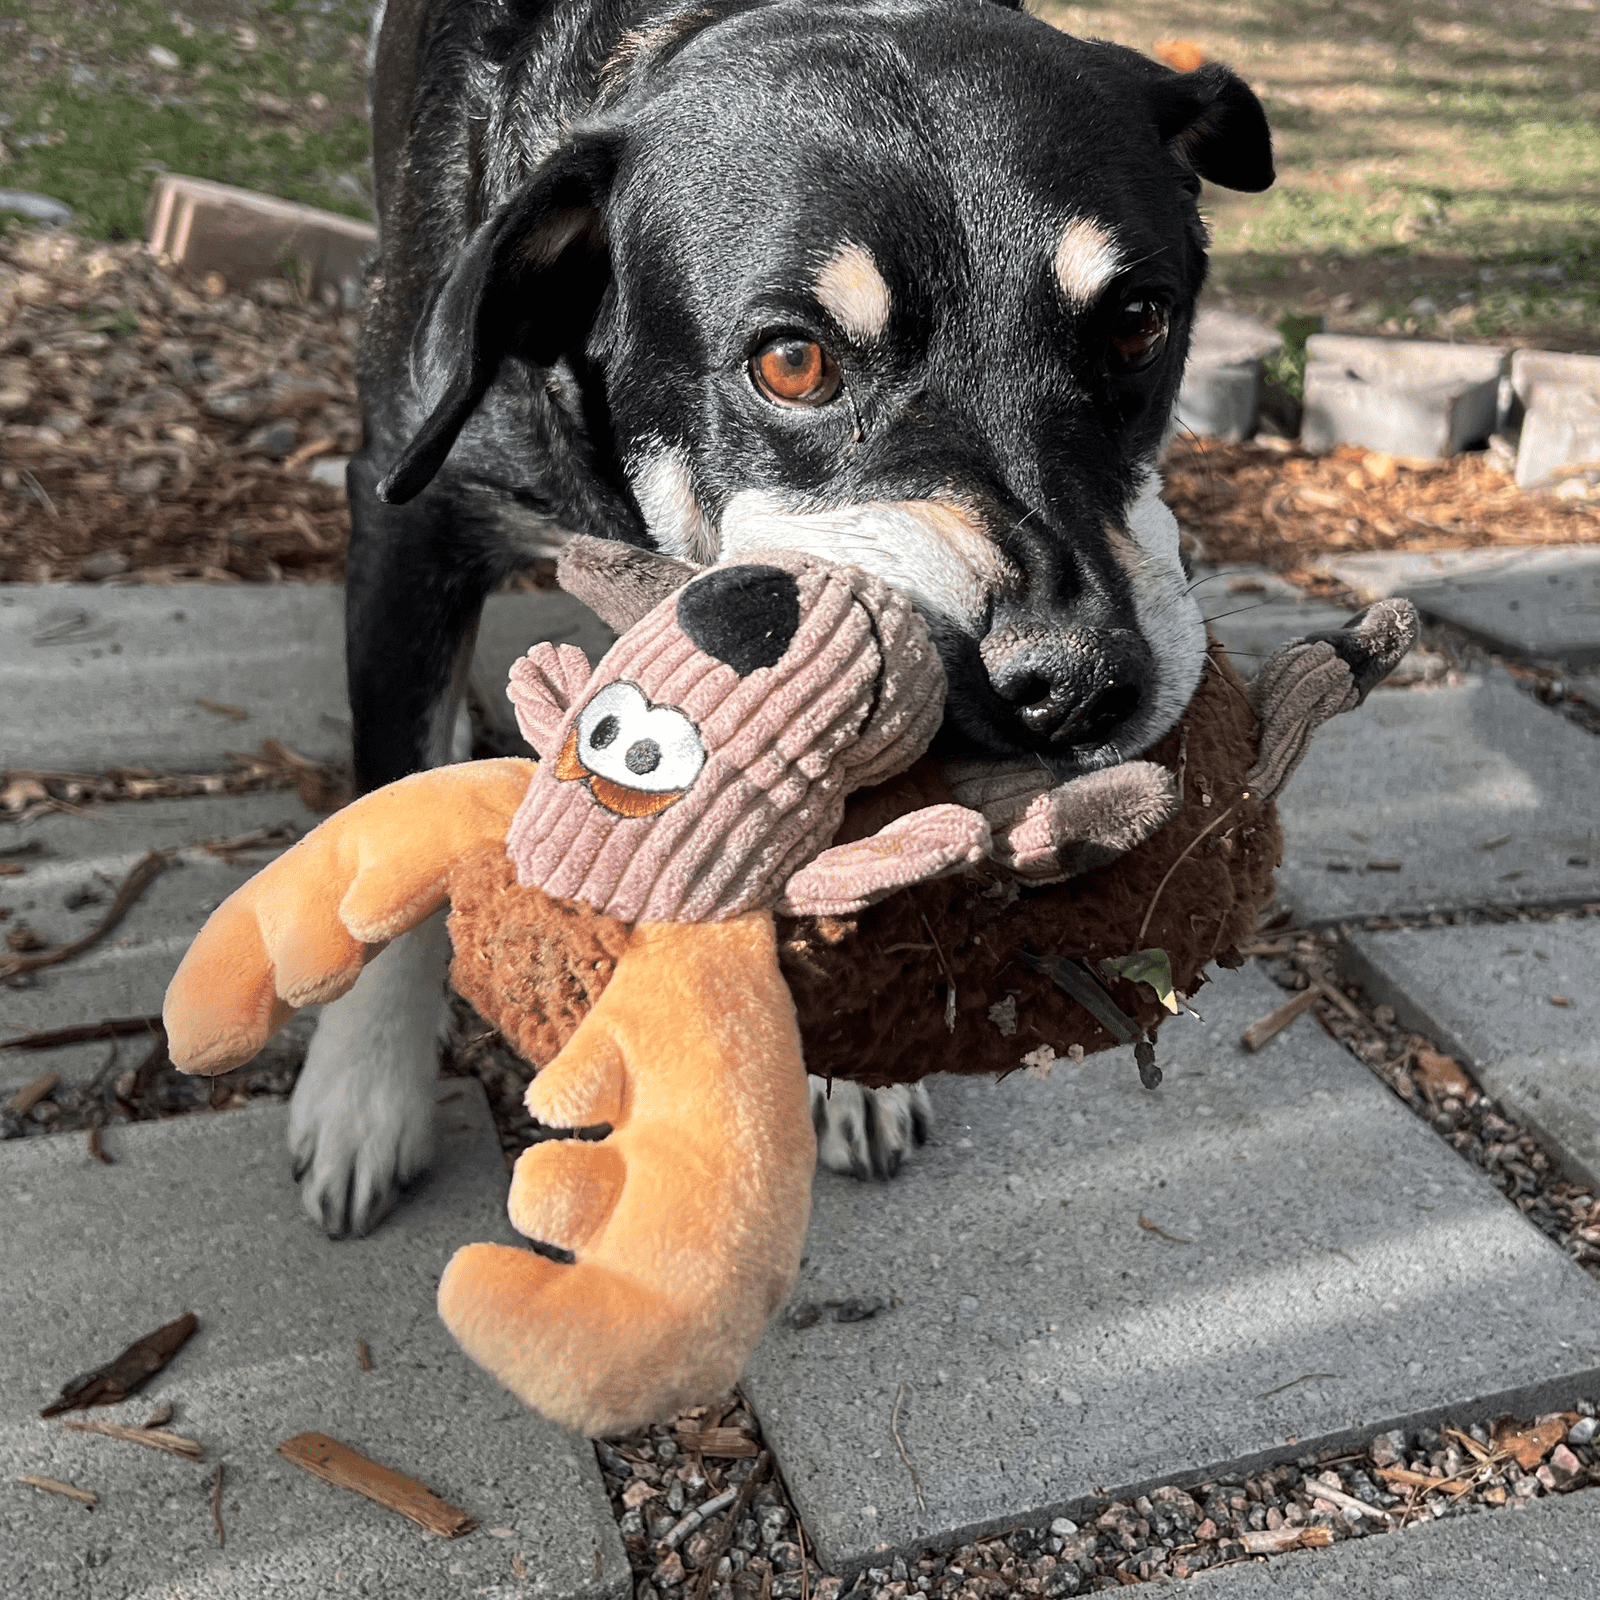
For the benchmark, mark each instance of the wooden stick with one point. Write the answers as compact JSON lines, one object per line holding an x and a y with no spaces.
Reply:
{"x":26,"y":1098}
{"x":730,"y":1527}
{"x":138,"y":880}
{"x":126,"y":1372}
{"x":1274,"y":1541}
{"x":1271,"y":1025}
{"x":338,"y":1464}
{"x":216,"y":1508}
{"x":173,"y":1444}
{"x":1345,"y":1502}
{"x":81,"y":1033}
{"x":84,"y":1497}
{"x":894,"y":1428}
{"x":1343,"y":1001}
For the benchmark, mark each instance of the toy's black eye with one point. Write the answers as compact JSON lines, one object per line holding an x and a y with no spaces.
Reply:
{"x":1138,"y":336}
{"x":795,"y":371}
{"x":605,"y":730}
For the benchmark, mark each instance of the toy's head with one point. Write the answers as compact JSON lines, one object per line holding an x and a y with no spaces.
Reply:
{"x":710,"y":755}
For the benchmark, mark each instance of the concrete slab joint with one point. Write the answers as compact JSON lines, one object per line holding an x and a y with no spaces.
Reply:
{"x":1405,"y":396}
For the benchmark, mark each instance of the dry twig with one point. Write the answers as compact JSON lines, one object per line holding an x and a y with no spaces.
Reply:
{"x":133,"y":886}
{"x":338,"y":1464}
{"x":172,"y":1444}
{"x":899,"y":1444}
{"x":84,"y":1497}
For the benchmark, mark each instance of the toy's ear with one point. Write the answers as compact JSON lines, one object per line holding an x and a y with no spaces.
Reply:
{"x":530,"y":281}
{"x":545,"y":684}
{"x":1210,"y":119}
{"x":620,"y":583}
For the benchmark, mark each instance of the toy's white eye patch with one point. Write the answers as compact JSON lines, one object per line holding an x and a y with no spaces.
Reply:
{"x":629,"y":742}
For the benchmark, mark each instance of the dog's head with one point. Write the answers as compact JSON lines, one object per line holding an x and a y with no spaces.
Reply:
{"x":906,"y":285}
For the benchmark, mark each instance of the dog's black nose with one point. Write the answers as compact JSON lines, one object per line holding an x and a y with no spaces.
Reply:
{"x":1073,"y":688}
{"x":745,"y":616}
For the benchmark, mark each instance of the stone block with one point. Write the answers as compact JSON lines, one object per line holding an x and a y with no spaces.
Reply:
{"x":1392,"y":808}
{"x":1532,"y":368}
{"x":1222,"y":381}
{"x":1405,"y":396}
{"x":1540,"y":602}
{"x":107,"y":677}
{"x":1548,"y":1547}
{"x":1038,"y":1348}
{"x":1487,"y":994}
{"x":200,"y":1214}
{"x":214,"y":227}
{"x":511,"y":624}
{"x":1560,"y":436}
{"x":64,"y":890}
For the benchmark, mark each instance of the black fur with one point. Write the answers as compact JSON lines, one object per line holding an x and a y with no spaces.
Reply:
{"x":591,"y":211}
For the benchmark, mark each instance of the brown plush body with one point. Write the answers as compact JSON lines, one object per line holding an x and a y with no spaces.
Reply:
{"x":870,"y":991}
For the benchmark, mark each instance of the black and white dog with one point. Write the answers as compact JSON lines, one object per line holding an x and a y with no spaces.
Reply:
{"x":902,"y":283}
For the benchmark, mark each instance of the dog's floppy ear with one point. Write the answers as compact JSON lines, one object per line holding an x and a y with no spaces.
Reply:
{"x":1211,"y":119}
{"x":530,"y":279}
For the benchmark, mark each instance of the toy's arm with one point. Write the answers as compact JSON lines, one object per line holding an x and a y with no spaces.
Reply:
{"x":1307,"y":681}
{"x":1044,"y":831}
{"x":544,"y":684}
{"x":300,"y":931}
{"x":925,"y":844}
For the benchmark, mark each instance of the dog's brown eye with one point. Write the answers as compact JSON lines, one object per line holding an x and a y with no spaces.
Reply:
{"x":1138,"y":335}
{"x":795,"y":371}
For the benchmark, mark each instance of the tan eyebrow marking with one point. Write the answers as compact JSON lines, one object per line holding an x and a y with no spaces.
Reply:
{"x":853,"y":292}
{"x":1086,"y":259}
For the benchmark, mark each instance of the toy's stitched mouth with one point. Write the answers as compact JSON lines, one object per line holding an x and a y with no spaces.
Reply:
{"x":636,"y":757}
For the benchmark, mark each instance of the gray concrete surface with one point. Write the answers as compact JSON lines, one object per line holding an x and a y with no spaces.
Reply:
{"x":1531,"y":368}
{"x":199,"y":1213}
{"x":1549,"y":612}
{"x":1427,"y":778}
{"x":1373,"y":574}
{"x":105,"y":677}
{"x":1484,"y":993}
{"x":1549,"y":1548}
{"x":1222,"y":380}
{"x":1252,"y":611}
{"x":1410,"y":397}
{"x":511,"y":624}
{"x":127,"y":974}
{"x":101,"y":677}
{"x":1334,"y":1268}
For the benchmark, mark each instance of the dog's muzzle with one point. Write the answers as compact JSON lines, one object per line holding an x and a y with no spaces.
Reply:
{"x":1068,"y":688}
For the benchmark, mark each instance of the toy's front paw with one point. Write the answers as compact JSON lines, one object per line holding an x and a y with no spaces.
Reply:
{"x":1089,"y":822}
{"x":1304,"y":683}
{"x":361,"y":1119}
{"x":914,"y":848}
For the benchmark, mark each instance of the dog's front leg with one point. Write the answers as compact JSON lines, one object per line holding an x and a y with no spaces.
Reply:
{"x":361,"y":1119}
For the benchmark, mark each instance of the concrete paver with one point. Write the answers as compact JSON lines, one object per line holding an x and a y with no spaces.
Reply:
{"x":200,"y":1213}
{"x":1427,"y":778}
{"x":1485,"y":994}
{"x":1549,"y":1548}
{"x":1560,"y":436}
{"x":1332,"y":1268}
{"x":1222,"y":380}
{"x":107,"y":677}
{"x":1542,"y":601}
{"x":127,"y":974}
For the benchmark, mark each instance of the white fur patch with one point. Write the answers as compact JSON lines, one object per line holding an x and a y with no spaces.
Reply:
{"x":853,"y":292}
{"x":665,"y":492}
{"x":933,"y":552}
{"x":1086,"y":260}
{"x":1168,"y":614}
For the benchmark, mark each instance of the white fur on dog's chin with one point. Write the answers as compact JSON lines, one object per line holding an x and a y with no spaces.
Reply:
{"x":361,"y":1118}
{"x":932,"y":551}
{"x":1168,"y":615}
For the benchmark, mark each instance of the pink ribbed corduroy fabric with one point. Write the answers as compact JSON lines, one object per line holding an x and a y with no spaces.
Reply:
{"x":855,"y":698}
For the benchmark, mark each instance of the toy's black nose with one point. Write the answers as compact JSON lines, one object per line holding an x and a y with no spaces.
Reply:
{"x":745,"y":616}
{"x":1069,"y":688}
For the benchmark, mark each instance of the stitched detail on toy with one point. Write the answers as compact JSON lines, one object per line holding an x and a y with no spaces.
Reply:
{"x":636,"y":757}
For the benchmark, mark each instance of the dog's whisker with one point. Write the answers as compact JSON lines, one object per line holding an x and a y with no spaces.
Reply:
{"x":1255,"y":605}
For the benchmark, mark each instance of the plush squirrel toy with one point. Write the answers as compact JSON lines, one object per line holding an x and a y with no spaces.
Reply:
{"x":613,"y":912}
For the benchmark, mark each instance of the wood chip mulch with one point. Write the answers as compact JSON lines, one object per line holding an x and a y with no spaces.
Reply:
{"x":1271,"y":504}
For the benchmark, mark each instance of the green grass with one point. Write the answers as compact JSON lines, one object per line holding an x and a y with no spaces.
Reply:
{"x":95,"y":118}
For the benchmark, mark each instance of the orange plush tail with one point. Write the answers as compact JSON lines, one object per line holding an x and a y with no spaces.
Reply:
{"x":300,"y":931}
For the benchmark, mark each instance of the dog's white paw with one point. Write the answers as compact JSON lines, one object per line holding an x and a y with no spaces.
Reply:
{"x":865,"y":1133}
{"x":361,"y":1120}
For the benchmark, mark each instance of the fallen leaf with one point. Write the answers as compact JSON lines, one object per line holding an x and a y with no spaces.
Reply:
{"x":1150,"y":967}
{"x":1529,"y":1443}
{"x":127,"y":1372}
{"x":1441,"y":1075}
{"x":1560,"y":1000}
{"x":1182,"y":55}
